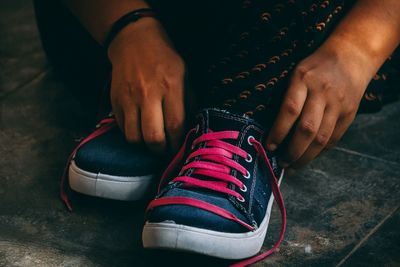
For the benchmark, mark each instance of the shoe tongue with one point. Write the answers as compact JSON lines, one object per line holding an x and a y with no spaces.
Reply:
{"x":220,"y":120}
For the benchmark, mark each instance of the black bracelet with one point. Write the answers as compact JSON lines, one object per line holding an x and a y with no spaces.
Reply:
{"x":124,"y":21}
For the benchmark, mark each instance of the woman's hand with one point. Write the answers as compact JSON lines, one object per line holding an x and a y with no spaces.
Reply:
{"x":147,"y":90}
{"x":321,"y":102}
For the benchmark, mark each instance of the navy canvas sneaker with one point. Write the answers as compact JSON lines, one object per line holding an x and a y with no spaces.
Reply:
{"x":105,"y":165}
{"x":215,"y":198}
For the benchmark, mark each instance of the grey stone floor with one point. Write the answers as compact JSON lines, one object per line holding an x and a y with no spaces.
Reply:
{"x":343,"y":209}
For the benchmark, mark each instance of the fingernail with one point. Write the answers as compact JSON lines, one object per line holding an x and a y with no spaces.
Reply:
{"x":272,"y":147}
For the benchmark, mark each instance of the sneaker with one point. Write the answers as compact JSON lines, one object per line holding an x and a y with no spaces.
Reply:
{"x":105,"y":165}
{"x":215,"y":197}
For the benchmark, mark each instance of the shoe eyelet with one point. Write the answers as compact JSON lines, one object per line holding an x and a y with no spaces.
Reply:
{"x":240,"y":199}
{"x":249,"y":158}
{"x":244,"y":189}
{"x":247,"y":175}
{"x":249,"y":139}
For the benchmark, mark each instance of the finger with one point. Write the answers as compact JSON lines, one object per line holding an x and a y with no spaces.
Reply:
{"x":174,"y":117}
{"x":306,"y":129}
{"x":290,"y":110}
{"x":321,"y":139}
{"x":341,"y":127}
{"x":119,"y":117}
{"x":152,"y":123}
{"x":132,"y":128}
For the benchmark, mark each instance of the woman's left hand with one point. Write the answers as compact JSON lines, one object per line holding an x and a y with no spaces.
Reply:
{"x":321,"y":102}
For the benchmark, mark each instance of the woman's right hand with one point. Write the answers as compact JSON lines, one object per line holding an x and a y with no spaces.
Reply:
{"x":147,"y":89}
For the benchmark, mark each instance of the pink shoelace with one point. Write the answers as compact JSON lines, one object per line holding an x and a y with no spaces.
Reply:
{"x":215,"y":160}
{"x":102,"y":127}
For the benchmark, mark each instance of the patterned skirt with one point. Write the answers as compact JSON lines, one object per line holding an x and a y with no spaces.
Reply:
{"x":240,"y":54}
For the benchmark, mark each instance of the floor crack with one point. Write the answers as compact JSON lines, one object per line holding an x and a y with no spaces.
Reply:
{"x":367,"y":236}
{"x":26,"y":84}
{"x":355,"y":153}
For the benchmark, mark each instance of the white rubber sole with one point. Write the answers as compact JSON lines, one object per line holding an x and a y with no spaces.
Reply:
{"x":168,"y":235}
{"x":108,"y":186}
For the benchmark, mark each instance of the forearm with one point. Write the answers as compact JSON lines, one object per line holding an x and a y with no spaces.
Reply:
{"x":97,"y":16}
{"x":370,"y":30}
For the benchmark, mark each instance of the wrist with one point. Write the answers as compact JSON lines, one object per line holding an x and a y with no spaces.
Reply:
{"x":126,"y":20}
{"x":131,"y":34}
{"x":354,"y":56}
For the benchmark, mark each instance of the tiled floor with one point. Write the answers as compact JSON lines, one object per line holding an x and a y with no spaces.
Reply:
{"x":344,"y":209}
